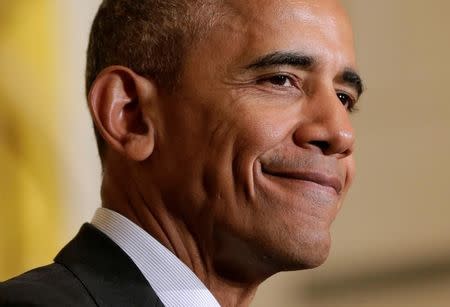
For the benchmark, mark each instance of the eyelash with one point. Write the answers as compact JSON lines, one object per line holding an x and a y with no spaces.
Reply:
{"x":350,"y":104}
{"x":281,"y":77}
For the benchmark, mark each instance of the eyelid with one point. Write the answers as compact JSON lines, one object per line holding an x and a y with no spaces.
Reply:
{"x":297,"y":82}
{"x":352,"y":95}
{"x":352,"y":107}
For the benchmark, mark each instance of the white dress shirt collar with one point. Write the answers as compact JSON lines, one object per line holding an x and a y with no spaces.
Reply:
{"x":174,"y":283}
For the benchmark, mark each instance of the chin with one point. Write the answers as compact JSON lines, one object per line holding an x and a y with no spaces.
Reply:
{"x":294,"y":237}
{"x":307,"y":252}
{"x":265,"y":254}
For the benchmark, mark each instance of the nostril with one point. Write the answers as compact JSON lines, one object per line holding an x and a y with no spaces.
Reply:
{"x":322,"y":145}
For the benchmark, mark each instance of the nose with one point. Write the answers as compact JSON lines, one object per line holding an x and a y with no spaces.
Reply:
{"x":325,"y":126}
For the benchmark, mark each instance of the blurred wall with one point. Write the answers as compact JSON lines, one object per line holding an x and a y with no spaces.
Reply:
{"x":30,"y":213}
{"x":50,"y":172}
{"x":391,"y":242}
{"x":80,"y":168}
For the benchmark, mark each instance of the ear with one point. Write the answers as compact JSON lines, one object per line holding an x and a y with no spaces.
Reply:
{"x":119,"y":102}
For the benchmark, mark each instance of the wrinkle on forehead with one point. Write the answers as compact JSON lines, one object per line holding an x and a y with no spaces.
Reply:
{"x":309,"y":11}
{"x":326,"y":16}
{"x":253,"y":28}
{"x":262,"y":20}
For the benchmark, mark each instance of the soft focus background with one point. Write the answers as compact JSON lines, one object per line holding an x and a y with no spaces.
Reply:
{"x":392,"y":240}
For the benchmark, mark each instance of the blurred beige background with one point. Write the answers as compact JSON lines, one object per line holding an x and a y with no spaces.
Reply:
{"x":392,"y":239}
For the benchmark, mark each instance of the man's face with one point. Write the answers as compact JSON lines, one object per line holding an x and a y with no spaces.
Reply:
{"x":255,"y":148}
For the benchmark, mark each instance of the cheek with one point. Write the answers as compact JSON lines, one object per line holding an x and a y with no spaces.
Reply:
{"x":350,"y":168}
{"x":349,"y":165}
{"x":248,"y":130}
{"x":263,"y":128}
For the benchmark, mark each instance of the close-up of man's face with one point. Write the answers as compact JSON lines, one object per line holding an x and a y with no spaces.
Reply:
{"x":255,"y":145}
{"x":198,"y":152}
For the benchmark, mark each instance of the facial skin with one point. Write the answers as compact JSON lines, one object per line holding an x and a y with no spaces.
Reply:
{"x":243,"y":168}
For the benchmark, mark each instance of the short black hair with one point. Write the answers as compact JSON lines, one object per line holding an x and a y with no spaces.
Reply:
{"x":148,"y":36}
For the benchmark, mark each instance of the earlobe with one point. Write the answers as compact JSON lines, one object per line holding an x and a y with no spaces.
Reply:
{"x":119,"y":102}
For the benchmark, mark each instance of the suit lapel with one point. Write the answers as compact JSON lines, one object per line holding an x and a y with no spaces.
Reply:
{"x":107,"y":273}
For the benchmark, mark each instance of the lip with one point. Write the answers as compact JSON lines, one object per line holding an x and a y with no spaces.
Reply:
{"x":315,"y":177}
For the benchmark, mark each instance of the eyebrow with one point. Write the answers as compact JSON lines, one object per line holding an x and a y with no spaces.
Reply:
{"x":306,"y":62}
{"x":351,"y":78}
{"x":283,"y":58}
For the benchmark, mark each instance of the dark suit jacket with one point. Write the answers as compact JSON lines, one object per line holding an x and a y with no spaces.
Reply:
{"x":89,"y":271}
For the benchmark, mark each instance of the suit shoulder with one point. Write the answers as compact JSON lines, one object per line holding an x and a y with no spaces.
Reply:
{"x":51,"y":285}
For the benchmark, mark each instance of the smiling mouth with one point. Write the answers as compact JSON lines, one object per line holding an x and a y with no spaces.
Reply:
{"x":314,"y":177}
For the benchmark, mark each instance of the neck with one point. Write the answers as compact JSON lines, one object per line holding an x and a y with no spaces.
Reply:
{"x":123,"y":194}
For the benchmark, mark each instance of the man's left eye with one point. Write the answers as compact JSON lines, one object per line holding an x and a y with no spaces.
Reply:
{"x":278,"y":81}
{"x":346,"y":100}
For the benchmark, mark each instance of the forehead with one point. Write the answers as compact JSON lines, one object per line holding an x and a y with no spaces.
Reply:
{"x":317,"y":27}
{"x":308,"y":9}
